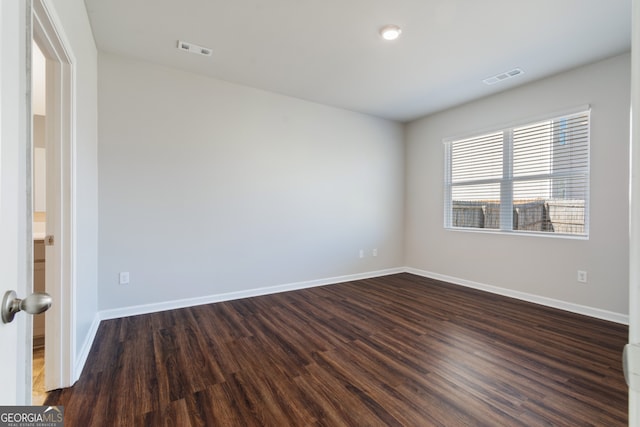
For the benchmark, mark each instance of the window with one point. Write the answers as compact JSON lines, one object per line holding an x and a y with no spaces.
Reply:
{"x":532,"y":178}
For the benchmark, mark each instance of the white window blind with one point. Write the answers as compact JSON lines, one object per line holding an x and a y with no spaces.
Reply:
{"x":530,"y":178}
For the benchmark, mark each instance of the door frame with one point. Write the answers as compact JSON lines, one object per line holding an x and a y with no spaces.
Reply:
{"x":634,"y":211}
{"x":60,"y":282}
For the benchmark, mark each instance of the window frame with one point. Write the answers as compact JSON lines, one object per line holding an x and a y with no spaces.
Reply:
{"x":507,"y":180}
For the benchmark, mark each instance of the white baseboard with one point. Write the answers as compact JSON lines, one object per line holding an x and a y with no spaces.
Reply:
{"x":190,"y":302}
{"x":86,"y":347}
{"x":549,"y":302}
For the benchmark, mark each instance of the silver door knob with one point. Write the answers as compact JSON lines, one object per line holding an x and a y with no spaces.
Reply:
{"x":35,"y":303}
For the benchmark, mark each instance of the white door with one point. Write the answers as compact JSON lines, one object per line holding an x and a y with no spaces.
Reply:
{"x":634,"y":252}
{"x":15,"y":228}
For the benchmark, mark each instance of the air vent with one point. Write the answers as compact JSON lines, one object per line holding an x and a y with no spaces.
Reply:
{"x":194,"y":48}
{"x":503,"y":76}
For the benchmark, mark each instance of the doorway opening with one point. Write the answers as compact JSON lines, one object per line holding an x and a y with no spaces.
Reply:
{"x":39,"y":192}
{"x":57,"y":221}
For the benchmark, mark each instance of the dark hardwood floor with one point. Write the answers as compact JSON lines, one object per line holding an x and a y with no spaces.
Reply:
{"x":399,"y":350}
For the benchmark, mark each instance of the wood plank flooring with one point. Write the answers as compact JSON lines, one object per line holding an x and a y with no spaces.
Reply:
{"x":398,"y":350}
{"x":38,"y":394}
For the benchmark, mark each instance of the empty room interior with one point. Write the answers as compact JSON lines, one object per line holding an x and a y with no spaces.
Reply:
{"x":340,"y":212}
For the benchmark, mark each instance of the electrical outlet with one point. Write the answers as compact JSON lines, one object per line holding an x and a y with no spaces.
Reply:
{"x":582,"y":276}
{"x":124,"y":278}
{"x":361,"y":253}
{"x":374,"y":252}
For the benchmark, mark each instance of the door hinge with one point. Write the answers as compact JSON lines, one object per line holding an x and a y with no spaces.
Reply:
{"x":49,"y":240}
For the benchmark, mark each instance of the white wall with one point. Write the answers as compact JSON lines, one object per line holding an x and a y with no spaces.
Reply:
{"x":39,"y":164}
{"x":77,"y":31}
{"x":207,"y":187}
{"x":539,"y":266}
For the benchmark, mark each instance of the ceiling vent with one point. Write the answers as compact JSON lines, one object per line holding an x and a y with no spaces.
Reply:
{"x":194,"y":48}
{"x":503,"y":76}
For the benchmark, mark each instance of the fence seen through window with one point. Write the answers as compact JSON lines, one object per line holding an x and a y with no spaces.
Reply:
{"x":530,"y":178}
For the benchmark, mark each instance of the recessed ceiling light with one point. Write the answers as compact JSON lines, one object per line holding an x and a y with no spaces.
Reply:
{"x":390,"y":32}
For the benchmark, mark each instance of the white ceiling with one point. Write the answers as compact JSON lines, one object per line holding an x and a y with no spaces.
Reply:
{"x":329,"y":51}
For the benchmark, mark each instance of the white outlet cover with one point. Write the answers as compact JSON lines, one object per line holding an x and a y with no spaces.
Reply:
{"x":582,"y":276}
{"x":124,"y":278}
